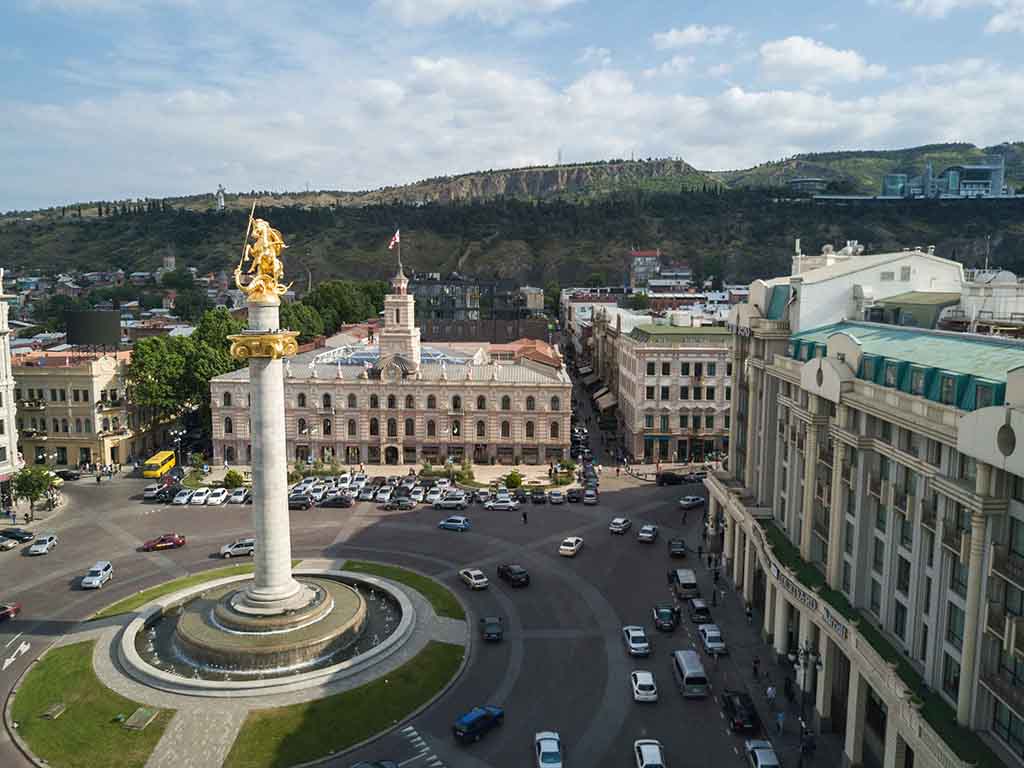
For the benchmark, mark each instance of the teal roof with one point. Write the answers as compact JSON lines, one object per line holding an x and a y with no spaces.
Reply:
{"x":778,"y":302}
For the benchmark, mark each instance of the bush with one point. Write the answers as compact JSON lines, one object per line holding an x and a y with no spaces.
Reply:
{"x":513,"y":479}
{"x":233,"y":479}
{"x":294,"y":476}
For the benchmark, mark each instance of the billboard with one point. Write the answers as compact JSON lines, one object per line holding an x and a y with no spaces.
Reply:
{"x":94,"y":328}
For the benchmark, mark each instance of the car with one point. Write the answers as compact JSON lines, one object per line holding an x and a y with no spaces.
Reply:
{"x":676,"y":548}
{"x":570,"y":546}
{"x":433,"y":495}
{"x":217,"y":497}
{"x":98,"y":575}
{"x":451,"y":501}
{"x":69,"y":474}
{"x":366,"y":493}
{"x":537,"y":496}
{"x":492,"y":628}
{"x":474,"y":578}
{"x":574,"y":495}
{"x":417,"y":494}
{"x":481,"y":497}
{"x":199,"y":496}
{"x":443,"y":483}
{"x":590,"y":497}
{"x":644,"y":687}
{"x":506,"y":504}
{"x":620,"y":525}
{"x":238,"y":548}
{"x":402,"y":502}
{"x":547,"y":746}
{"x":477,"y":723}
{"x":647,"y":533}
{"x":43,"y":544}
{"x":521,"y":496}
{"x":669,"y":478}
{"x":666,"y":617}
{"x":698,"y":611}
{"x":761,"y":754}
{"x":300,"y":501}
{"x":455,"y":523}
{"x":695,"y":477}
{"x":7,"y":544}
{"x":556,"y":497}
{"x":18,"y":534}
{"x":649,"y":753}
{"x":740,"y":711}
{"x":711,"y":637}
{"x":9,"y":610}
{"x":357,"y":482}
{"x":691,"y":502}
{"x":150,"y":491}
{"x":164,"y":541}
{"x":338,"y":500}
{"x":239,"y":496}
{"x":635,"y":638}
{"x":514,"y":574}
{"x":184,"y":496}
{"x":384,"y":494}
{"x":167,"y":493}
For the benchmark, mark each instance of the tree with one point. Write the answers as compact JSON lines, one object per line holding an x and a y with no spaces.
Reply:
{"x":191,"y":304}
{"x":215,"y":327}
{"x":179,"y":280}
{"x":637,"y":301}
{"x":156,"y":375}
{"x":233,"y":479}
{"x":32,"y":483}
{"x":513,"y":479}
{"x":297,"y":316}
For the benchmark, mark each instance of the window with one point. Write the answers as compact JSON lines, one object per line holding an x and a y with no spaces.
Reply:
{"x":869,"y":368}
{"x":431,"y":403}
{"x":351,"y":427}
{"x":666,"y":369}
{"x":410,"y":427}
{"x":664,"y":393}
{"x":352,"y":402}
{"x":374,"y":427}
{"x":392,"y":403}
{"x":17,"y":393}
{"x":301,"y":400}
{"x":876,"y":597}
{"x":529,"y":429}
{"x":709,"y":394}
{"x":1008,"y":727}
{"x":904,"y":274}
{"x":927,"y":606}
{"x":712,"y":368}
{"x":53,"y":395}
{"x":649,"y":392}
{"x":684,"y":421}
{"x":947,"y":390}
{"x":664,"y":424}
{"x":301,"y":426}
{"x":890,"y":374}
{"x":950,"y":676}
{"x":899,"y":620}
{"x":906,"y":529}
{"x":958,"y":578}
{"x":881,"y":517}
{"x":456,"y":403}
{"x":78,"y":425}
{"x":903,"y":575}
{"x":728,"y":369}
{"x":431,"y":429}
{"x":728,"y":393}
{"x":56,"y":426}
{"x":916,"y":381}
{"x":531,"y":404}
{"x":556,"y":404}
{"x":410,"y":402}
{"x":955,"y":626}
{"x":85,"y":395}
{"x":846,"y":577}
{"x":684,"y":393}
{"x":392,"y":428}
{"x":554,"y":429}
{"x":726,"y":422}
{"x":684,"y":369}
{"x":456,"y":428}
{"x":326,"y":427}
{"x":878,"y":556}
{"x":63,"y":425}
{"x":481,"y":429}
{"x":650,"y":368}
{"x":506,"y":429}
{"x":983,"y":396}
{"x":374,"y":402}
{"x":506,"y":403}
{"x":226,"y":400}
{"x":649,"y":421}
{"x":709,"y":421}
{"x":88,"y":426}
{"x":888,"y":276}
{"x":481,"y":403}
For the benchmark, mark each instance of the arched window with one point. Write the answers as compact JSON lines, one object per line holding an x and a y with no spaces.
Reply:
{"x":431,"y":429}
{"x":374,"y":427}
{"x":554,"y":429}
{"x":326,"y":400}
{"x":481,"y":403}
{"x":302,"y":400}
{"x":88,"y":426}
{"x":431,"y":403}
{"x":529,"y":429}
{"x":506,"y":403}
{"x":374,"y":402}
{"x":248,"y":454}
{"x":481,"y":429}
{"x":229,"y":453}
{"x":35,"y":424}
{"x":410,"y":427}
{"x":78,"y":425}
{"x":456,"y":428}
{"x":456,"y":403}
{"x":397,"y":321}
{"x":392,"y":403}
{"x":530,"y":403}
{"x":392,"y":428}
{"x":226,"y":400}
{"x":229,"y":427}
{"x":352,"y":401}
{"x":116,"y":423}
{"x":506,"y":429}
{"x":410,"y":402}
{"x":56,"y":426}
{"x":248,"y":400}
{"x":327,"y":426}
{"x":556,"y":404}
{"x":106,"y":425}
{"x":302,"y":426}
{"x":63,"y":425}
{"x":351,"y":427}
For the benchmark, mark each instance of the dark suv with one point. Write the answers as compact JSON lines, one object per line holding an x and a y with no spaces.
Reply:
{"x":669,"y":478}
{"x":666,"y":617}
{"x":699,"y":611}
{"x":676,"y":548}
{"x":515,"y":575}
{"x":538,"y":497}
{"x":476,"y":723}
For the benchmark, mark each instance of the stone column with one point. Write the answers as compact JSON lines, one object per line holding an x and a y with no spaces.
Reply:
{"x":807,"y":641}
{"x":969,"y":654}
{"x":753,"y":405}
{"x":730,"y":532}
{"x":737,"y":557}
{"x":823,"y":695}
{"x":734,"y":405}
{"x":748,"y":571}
{"x":834,"y":556}
{"x":895,"y":755}
{"x":769,"y":610}
{"x":853,"y":752}
{"x":781,"y":622}
{"x":810,"y":472}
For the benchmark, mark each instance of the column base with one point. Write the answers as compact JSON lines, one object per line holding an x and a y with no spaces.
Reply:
{"x":821,"y":724}
{"x":293,"y":597}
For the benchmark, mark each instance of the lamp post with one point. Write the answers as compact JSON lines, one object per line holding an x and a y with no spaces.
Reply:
{"x":176,"y":437}
{"x":804,"y":661}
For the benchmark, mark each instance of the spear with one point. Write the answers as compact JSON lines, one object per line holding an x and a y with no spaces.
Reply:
{"x":245,"y":242}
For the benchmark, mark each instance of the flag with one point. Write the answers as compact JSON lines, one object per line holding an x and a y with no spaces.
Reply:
{"x":395,"y":240}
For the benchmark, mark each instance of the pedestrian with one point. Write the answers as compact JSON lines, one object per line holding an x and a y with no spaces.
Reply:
{"x":684,"y":517}
{"x":524,"y":517}
{"x":780,"y":721}
{"x":757,"y":667}
{"x":716,"y":581}
{"x":770,"y":694}
{"x":714,"y":598}
{"x":14,"y":516}
{"x":700,"y":551}
{"x":98,"y":478}
{"x":704,"y":534}
{"x":617,"y":469}
{"x":710,"y":560}
{"x":750,"y":611}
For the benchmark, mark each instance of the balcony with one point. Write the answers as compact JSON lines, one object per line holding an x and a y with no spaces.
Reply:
{"x":1000,"y":684}
{"x":820,"y":524}
{"x":826,"y":457}
{"x":995,"y":620}
{"x":823,"y":494}
{"x":875,"y":485}
{"x":847,"y":474}
{"x":32,"y":405}
{"x":952,"y":537}
{"x":929,"y":513}
{"x":1008,"y":564}
{"x":109,"y":405}
{"x":901,"y":500}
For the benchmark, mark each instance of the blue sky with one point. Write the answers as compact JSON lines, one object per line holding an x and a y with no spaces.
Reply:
{"x":111,"y":99}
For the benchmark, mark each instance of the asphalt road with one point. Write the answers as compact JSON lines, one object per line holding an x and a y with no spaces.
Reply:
{"x":562,"y":665}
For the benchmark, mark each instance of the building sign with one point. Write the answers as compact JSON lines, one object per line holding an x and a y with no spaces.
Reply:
{"x":832,"y":621}
{"x":790,"y":586}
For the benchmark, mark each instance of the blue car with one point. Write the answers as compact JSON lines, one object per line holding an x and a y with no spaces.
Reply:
{"x":455,"y":523}
{"x":475,"y":724}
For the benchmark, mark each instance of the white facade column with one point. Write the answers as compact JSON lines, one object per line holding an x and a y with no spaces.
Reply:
{"x":769,"y":608}
{"x":806,"y":641}
{"x":730,"y":532}
{"x":748,"y":570}
{"x":740,"y":576}
{"x":969,"y":653}
{"x":895,"y":755}
{"x":781,"y":622}
{"x":853,"y":751}
{"x":810,"y":471}
{"x":834,"y":556}
{"x":826,"y":677}
{"x":753,"y":406}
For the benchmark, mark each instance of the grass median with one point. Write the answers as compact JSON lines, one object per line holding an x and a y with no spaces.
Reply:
{"x":274,"y":738}
{"x":87,"y":734}
{"x":440,"y":597}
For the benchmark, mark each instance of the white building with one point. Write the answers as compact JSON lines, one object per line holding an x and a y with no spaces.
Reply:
{"x":9,"y":463}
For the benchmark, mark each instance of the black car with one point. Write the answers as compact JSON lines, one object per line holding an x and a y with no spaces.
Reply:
{"x":666,"y":616}
{"x":69,"y":474}
{"x":492,"y":628}
{"x":676,"y":548}
{"x":695,"y":477}
{"x":574,"y":495}
{"x":515,"y":575}
{"x":521,"y":496}
{"x":538,"y":497}
{"x":476,"y":723}
{"x":699,"y":611}
{"x":300,"y":502}
{"x":400,"y":502}
{"x":18,"y":534}
{"x":341,"y":500}
{"x":669,"y":478}
{"x":167,"y":493}
{"x":740,"y":712}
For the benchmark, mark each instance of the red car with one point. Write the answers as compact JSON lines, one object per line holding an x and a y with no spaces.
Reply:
{"x":9,"y":610}
{"x":166,"y":541}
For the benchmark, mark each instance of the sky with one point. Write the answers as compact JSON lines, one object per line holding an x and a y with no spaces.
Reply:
{"x":116,"y":99}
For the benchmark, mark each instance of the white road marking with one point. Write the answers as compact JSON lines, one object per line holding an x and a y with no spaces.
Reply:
{"x":412,"y":760}
{"x":8,"y":645}
{"x":407,"y":729}
{"x":21,"y":649}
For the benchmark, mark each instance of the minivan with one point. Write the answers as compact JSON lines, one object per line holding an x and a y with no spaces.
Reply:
{"x":689,"y":674}
{"x":684,"y":583}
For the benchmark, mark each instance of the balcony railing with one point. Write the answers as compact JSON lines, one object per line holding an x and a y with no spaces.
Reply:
{"x":1008,"y":564}
{"x":901,"y":500}
{"x":821,"y":525}
{"x":929,"y":513}
{"x":875,"y":485}
{"x":996,"y":619}
{"x":107,"y":405}
{"x":823,"y":493}
{"x":1001,"y":685}
{"x":952,"y":536}
{"x":32,"y":405}
{"x":847,"y":474}
{"x":826,"y":457}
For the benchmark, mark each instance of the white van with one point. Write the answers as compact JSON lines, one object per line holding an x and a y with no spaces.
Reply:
{"x":684,"y":583}
{"x":689,"y":674}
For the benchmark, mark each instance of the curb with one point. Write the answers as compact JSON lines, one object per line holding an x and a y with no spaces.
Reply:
{"x":9,"y":704}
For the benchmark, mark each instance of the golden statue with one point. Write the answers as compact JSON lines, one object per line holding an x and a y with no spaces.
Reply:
{"x":262,"y":281}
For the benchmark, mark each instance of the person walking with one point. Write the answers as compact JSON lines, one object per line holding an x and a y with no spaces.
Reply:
{"x":770,"y":695}
{"x":750,"y":611}
{"x":524,"y":517}
{"x":780,"y":721}
{"x":756,"y":664}
{"x":700,"y":552}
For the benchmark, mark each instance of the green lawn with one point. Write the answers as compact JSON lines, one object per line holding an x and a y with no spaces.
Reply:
{"x":302,"y":732}
{"x":85,"y":735}
{"x":440,"y":597}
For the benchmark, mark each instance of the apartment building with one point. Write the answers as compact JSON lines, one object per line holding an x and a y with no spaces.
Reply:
{"x":8,"y":434}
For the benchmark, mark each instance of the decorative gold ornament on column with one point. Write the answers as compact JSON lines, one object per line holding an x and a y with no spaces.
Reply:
{"x":261,"y":283}
{"x":273,"y":345}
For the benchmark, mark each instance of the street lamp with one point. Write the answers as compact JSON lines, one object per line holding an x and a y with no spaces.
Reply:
{"x":804,"y":660}
{"x":176,"y":437}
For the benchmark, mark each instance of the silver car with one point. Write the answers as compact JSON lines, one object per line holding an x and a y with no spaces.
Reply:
{"x":238,"y":548}
{"x":43,"y":544}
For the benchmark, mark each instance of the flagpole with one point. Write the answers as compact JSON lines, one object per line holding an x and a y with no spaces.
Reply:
{"x":399,"y":231}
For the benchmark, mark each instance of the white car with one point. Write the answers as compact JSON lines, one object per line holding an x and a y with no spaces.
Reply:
{"x":644,"y":687}
{"x":434,"y":495}
{"x":443,"y":483}
{"x":200,"y":496}
{"x":635,"y":638}
{"x":239,"y":496}
{"x":761,"y":754}
{"x":183,"y":496}
{"x":502,"y":504}
{"x":590,"y":497}
{"x":343,"y":480}
{"x":649,"y":753}
{"x":647,"y":533}
{"x":7,"y":544}
{"x":570,"y":546}
{"x":452,"y":500}
{"x":383,"y":495}
{"x":238,"y":548}
{"x":691,"y":502}
{"x":711,"y":637}
{"x":217,"y":497}
{"x":474,"y":578}
{"x":620,"y":525}
{"x":150,"y":491}
{"x":357,"y":482}
{"x":43,"y":544}
{"x":547,"y":746}
{"x":98,"y":575}
{"x":556,"y":497}
{"x":416,"y":494}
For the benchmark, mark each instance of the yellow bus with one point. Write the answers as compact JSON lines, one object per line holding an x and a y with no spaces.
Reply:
{"x":158,"y":464}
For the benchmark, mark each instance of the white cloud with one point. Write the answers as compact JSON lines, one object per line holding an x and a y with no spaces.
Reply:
{"x":1007,"y":15}
{"x":801,"y":59}
{"x":677,"y":65}
{"x":719,"y":70}
{"x":593,"y":55}
{"x":694,"y":34}
{"x":500,"y":12}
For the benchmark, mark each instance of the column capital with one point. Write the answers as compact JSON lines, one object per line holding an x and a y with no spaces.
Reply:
{"x":268,"y":345}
